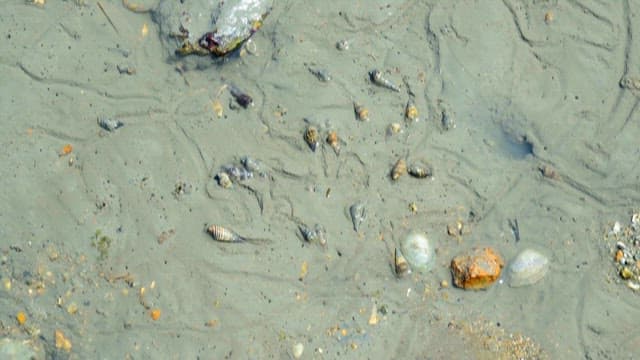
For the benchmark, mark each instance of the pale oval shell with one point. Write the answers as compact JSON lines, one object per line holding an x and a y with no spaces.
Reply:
{"x":418,"y":250}
{"x":527,"y":268}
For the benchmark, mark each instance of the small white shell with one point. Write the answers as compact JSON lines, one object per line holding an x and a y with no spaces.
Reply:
{"x":527,"y":268}
{"x":418,"y":250}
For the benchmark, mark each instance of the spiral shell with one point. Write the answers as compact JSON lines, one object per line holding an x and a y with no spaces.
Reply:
{"x":312,"y":137}
{"x":222,"y":234}
{"x":401,"y":266}
{"x":399,"y":169}
{"x":411,"y":112}
{"x":334,"y":141}
{"x":361,"y":112}
{"x":377,"y":78}
{"x":420,"y":170}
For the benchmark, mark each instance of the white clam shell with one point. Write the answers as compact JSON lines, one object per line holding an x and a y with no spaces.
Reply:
{"x":418,"y":250}
{"x":527,"y":268}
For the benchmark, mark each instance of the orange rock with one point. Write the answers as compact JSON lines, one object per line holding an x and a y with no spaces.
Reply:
{"x":476,"y":270}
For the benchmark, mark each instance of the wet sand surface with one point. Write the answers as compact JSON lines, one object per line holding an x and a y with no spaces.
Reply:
{"x":95,"y":241}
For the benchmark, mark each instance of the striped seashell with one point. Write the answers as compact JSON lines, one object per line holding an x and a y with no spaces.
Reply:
{"x":222,"y":234}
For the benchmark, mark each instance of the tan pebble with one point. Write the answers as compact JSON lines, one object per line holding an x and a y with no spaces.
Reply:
{"x":399,"y":169}
{"x":72,"y":308}
{"x":217,"y":108}
{"x":444,"y":284}
{"x":61,"y":341}
{"x":304,"y":269}
{"x":633,"y":285}
{"x":373,"y":318}
{"x":548,"y":17}
{"x":626,"y":273}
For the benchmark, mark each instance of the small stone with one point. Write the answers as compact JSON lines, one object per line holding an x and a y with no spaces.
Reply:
{"x":297,"y":350}
{"x":626,"y":273}
{"x":373,"y":319}
{"x":477,"y":269}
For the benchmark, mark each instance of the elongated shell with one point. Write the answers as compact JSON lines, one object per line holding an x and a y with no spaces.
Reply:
{"x":399,"y":169}
{"x":401,"y":266}
{"x":334,"y":141}
{"x":312,"y":137}
{"x":378,"y":79}
{"x":358,"y":213}
{"x":222,"y":234}
{"x":420,"y":170}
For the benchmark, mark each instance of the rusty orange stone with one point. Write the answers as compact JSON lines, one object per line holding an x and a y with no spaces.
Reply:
{"x":477,"y":269}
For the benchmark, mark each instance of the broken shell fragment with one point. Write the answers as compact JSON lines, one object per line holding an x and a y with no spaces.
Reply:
{"x":223,"y":180}
{"x":399,"y":169}
{"x":109,"y":124}
{"x":527,"y":268}
{"x":418,"y":251}
{"x":312,"y":137}
{"x":317,"y":235}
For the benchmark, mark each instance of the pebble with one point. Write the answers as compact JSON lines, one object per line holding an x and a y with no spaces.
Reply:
{"x":297,"y":350}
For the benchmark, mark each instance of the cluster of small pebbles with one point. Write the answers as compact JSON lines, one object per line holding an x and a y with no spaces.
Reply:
{"x":624,"y":247}
{"x":245,"y":170}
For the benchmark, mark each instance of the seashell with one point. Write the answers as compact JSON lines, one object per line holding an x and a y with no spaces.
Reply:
{"x":252,"y":165}
{"x":399,"y":169}
{"x":241,"y":97}
{"x":237,"y":173}
{"x":420,"y":170}
{"x":342,"y":45}
{"x":418,"y":251}
{"x":378,"y":79}
{"x":222,"y":234}
{"x":358,"y":215}
{"x":527,"y":268}
{"x":362,"y":113}
{"x":401,"y":266}
{"x":312,"y":137}
{"x":109,"y":124}
{"x":447,"y":119}
{"x":411,"y":112}
{"x":317,"y":235}
{"x":321,"y":74}
{"x":334,"y":141}
{"x":394,"y":128}
{"x":223,"y":180}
